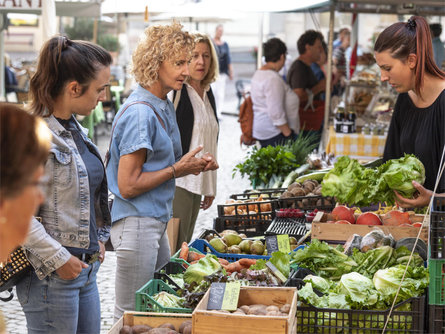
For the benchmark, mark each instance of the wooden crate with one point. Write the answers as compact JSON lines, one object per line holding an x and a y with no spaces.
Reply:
{"x":211,"y":322}
{"x":148,"y":318}
{"x":341,"y":232}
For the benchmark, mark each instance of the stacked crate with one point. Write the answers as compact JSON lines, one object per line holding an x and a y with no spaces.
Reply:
{"x":436,"y":265}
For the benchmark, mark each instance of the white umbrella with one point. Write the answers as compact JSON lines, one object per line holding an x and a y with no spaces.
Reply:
{"x":48,"y":19}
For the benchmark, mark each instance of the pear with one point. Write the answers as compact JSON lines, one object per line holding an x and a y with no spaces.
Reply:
{"x":232,"y":239}
{"x":219,"y":245}
{"x":257,"y":248}
{"x":234,"y":249}
{"x":245,"y":246}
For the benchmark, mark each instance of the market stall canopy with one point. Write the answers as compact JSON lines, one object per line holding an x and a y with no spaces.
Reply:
{"x":63,"y":8}
{"x":199,"y":12}
{"x":138,"y":6}
{"x":412,"y":7}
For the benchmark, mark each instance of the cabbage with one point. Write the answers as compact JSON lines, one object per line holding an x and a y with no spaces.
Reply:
{"x":318,"y":282}
{"x":387,"y":281}
{"x":359,"y":290}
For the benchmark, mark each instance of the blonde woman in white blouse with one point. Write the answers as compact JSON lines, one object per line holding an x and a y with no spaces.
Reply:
{"x":198,"y":125}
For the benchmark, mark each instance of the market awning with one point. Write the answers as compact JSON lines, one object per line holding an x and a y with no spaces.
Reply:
{"x":63,"y":8}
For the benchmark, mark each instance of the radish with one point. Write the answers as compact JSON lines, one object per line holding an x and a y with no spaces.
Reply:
{"x":368,"y":218}
{"x":342,"y":212}
{"x":396,"y":218}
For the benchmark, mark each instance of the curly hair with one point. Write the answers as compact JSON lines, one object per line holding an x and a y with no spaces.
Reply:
{"x":213,"y":72}
{"x":160,"y":43}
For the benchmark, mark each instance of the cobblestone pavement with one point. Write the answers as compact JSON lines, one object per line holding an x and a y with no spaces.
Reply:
{"x":229,"y":154}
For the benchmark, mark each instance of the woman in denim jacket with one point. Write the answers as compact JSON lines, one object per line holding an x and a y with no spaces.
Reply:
{"x":67,"y":247}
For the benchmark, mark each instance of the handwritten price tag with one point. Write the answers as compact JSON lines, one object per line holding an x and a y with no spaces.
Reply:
{"x":224,"y":296}
{"x":277,"y":243}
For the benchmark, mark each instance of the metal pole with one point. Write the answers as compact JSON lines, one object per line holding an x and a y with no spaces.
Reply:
{"x":327,"y":106}
{"x":260,"y":41}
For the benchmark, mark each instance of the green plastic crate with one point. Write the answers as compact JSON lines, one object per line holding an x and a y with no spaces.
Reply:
{"x":437,"y":281}
{"x":175,"y":257}
{"x":145,"y":302}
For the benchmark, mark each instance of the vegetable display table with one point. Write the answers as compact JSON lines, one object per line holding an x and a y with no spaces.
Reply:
{"x":356,"y":145}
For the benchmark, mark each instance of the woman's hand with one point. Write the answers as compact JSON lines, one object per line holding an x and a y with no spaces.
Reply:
{"x":422,"y":197}
{"x":101,"y":251}
{"x":207,"y":202}
{"x":71,"y":269}
{"x":211,"y":163}
{"x":189,"y":164}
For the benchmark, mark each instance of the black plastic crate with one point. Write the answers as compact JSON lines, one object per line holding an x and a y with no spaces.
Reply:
{"x":294,"y":227}
{"x":316,"y":320}
{"x":272,"y":193}
{"x":437,"y":229}
{"x":306,"y":203}
{"x":205,"y":233}
{"x":250,"y":226}
{"x":170,"y":268}
{"x":436,"y":319}
{"x":260,"y":209}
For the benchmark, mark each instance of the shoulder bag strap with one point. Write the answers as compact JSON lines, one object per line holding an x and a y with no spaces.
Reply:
{"x":176,"y":97}
{"x":107,"y":155}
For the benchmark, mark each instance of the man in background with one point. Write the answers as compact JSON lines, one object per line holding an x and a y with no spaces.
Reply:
{"x":438,"y":45}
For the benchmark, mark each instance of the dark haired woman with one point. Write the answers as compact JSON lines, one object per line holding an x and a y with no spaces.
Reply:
{"x":67,"y":247}
{"x":275,"y":105}
{"x":404,"y":54}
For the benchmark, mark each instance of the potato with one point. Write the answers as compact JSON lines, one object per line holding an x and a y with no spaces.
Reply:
{"x":162,"y":331}
{"x":273,"y":314}
{"x":285,"y":308}
{"x":228,"y":210}
{"x":265,"y":207}
{"x":239,"y":311}
{"x":184,"y":325}
{"x":126,"y":330}
{"x":187,"y":329}
{"x":244,"y":308}
{"x":167,"y":325}
{"x":257,"y":310}
{"x":138,"y":329}
{"x":271,"y":308}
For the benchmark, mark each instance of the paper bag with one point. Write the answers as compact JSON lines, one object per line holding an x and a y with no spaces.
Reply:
{"x":172,"y":233}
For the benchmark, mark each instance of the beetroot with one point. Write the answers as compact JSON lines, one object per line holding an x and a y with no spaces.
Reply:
{"x":368,"y":218}
{"x":342,"y":212}
{"x":396,"y":218}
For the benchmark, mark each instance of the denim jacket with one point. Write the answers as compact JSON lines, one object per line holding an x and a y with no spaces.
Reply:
{"x":66,"y":211}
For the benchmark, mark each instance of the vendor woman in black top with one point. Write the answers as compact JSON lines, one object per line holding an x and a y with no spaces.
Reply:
{"x":404,"y":54}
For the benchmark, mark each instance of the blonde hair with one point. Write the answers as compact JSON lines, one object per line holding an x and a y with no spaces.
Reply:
{"x":213,"y":72}
{"x":160,"y":43}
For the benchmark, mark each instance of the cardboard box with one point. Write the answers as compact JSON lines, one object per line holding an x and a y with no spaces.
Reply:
{"x":211,"y":322}
{"x":341,"y":232}
{"x":147,"y":318}
{"x":172,"y":233}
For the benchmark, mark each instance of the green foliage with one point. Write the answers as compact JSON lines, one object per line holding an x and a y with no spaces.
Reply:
{"x":109,"y":42}
{"x":261,"y":164}
{"x":82,"y":29}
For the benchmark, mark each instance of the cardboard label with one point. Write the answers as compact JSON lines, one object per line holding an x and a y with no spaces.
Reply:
{"x":224,"y":296}
{"x":275,"y":243}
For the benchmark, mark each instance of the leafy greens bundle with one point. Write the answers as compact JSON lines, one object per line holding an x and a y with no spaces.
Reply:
{"x":351,"y":183}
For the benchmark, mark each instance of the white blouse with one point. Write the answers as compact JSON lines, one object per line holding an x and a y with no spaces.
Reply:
{"x":205,"y":132}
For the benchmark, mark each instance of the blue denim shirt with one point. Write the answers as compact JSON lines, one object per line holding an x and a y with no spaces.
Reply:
{"x":138,"y":128}
{"x":66,"y":211}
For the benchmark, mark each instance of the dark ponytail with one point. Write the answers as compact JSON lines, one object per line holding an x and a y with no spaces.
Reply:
{"x":412,"y":37}
{"x":62,"y":60}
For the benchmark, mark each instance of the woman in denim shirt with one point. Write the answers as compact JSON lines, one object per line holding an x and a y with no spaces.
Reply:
{"x":67,"y":247}
{"x":145,"y":158}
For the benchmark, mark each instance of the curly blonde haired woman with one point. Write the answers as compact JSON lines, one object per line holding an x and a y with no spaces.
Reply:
{"x":145,"y":159}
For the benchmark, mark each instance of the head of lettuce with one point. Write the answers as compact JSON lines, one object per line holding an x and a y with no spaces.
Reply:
{"x":353,"y":184}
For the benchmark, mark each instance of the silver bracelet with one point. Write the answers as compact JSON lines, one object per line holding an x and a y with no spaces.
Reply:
{"x":173,"y":171}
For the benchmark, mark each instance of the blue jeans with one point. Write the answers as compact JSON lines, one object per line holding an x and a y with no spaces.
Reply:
{"x":54,"y":305}
{"x":142,"y":247}
{"x":277,"y":140}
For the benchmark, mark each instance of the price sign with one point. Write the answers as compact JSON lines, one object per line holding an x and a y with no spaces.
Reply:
{"x":224,"y":296}
{"x":277,"y":243}
{"x":276,"y":272}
